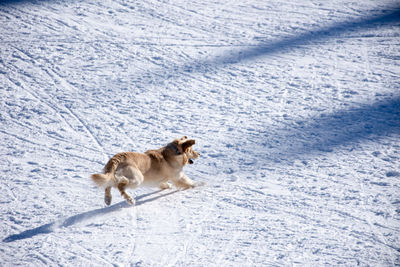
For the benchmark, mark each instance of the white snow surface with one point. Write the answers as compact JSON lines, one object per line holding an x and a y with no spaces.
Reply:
{"x":294,"y":105}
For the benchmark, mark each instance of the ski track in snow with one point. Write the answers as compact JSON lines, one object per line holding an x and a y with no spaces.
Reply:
{"x":294,"y":105}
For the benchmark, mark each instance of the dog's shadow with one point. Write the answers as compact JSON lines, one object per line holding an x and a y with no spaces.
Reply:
{"x":51,"y":227}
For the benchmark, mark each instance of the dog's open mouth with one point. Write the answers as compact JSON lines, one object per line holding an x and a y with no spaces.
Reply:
{"x":191,"y":161}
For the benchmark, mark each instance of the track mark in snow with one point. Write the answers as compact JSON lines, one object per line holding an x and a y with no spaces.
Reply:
{"x":376,"y":234}
{"x":131,"y":235}
{"x":45,"y":100}
{"x":50,"y":148}
{"x":58,"y":108}
{"x":94,"y":255}
{"x":204,"y":216}
{"x":53,"y":135}
{"x":88,"y":131}
{"x":227,"y":249}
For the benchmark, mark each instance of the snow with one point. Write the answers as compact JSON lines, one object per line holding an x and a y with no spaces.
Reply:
{"x":294,"y":105}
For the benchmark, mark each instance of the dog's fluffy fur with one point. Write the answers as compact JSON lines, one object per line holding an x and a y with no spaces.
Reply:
{"x":154,"y":167}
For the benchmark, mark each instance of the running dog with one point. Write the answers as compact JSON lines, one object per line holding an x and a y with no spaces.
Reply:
{"x":152,"y":168}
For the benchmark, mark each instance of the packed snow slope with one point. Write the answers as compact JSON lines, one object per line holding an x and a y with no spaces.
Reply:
{"x":294,"y":105}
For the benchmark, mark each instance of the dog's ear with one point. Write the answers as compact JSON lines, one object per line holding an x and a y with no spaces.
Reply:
{"x":188,"y":144}
{"x":176,"y":142}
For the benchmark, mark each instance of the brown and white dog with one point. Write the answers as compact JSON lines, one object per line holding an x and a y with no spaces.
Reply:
{"x":153,"y":168}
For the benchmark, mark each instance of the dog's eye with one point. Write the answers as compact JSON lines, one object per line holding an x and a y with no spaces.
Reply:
{"x":177,"y":151}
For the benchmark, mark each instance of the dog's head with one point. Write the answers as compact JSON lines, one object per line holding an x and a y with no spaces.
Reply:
{"x":183,"y":147}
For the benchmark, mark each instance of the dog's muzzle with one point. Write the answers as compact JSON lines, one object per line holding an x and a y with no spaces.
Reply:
{"x":190,"y":161}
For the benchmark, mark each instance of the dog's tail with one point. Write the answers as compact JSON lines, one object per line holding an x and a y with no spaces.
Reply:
{"x":103,"y":180}
{"x":108,"y":178}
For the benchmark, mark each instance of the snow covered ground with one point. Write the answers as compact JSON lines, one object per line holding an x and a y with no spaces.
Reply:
{"x":295,"y":107}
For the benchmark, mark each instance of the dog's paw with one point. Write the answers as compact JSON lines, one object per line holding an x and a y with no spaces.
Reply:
{"x":107,"y":200}
{"x":164,"y":186}
{"x":130,"y":201}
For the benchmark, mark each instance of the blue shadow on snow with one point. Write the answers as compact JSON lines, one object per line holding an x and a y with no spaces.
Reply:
{"x":270,"y":47}
{"x":341,"y":128}
{"x":50,"y":227}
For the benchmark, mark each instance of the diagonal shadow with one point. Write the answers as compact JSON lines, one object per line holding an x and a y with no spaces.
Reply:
{"x":328,"y":131}
{"x":313,"y":35}
{"x":389,"y":17}
{"x":11,"y":2}
{"x":51,"y":227}
{"x":252,"y":51}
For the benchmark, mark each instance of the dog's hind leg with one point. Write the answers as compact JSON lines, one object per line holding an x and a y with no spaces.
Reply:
{"x":107,"y":196}
{"x":129,"y":176}
{"x":121,"y":188}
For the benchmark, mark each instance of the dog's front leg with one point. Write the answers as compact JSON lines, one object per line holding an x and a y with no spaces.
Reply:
{"x":164,"y":185}
{"x":182,"y":181}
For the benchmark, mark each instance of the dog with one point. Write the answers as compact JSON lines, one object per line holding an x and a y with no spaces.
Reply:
{"x":152,"y":168}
